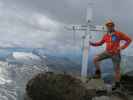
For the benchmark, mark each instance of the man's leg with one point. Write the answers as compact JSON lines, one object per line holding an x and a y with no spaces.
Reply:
{"x":116,"y":61}
{"x":97,"y":65}
{"x":117,"y":73}
{"x":96,"y":61}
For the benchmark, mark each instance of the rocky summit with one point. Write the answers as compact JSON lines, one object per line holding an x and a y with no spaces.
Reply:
{"x":51,"y":86}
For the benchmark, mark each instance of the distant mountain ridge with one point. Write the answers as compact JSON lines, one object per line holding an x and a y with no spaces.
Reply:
{"x":67,"y":62}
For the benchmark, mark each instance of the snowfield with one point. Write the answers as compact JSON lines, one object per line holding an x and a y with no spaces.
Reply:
{"x":24,"y":58}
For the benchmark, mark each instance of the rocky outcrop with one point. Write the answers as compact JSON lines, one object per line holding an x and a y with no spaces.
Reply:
{"x":52,"y":86}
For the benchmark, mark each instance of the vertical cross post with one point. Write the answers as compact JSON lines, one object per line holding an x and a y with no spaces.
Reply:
{"x":87,"y":28}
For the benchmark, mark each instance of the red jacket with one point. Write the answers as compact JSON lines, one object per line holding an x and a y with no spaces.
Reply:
{"x":113,"y":42}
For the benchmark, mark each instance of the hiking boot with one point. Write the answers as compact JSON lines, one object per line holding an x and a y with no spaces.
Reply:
{"x":117,"y":86}
{"x":97,"y":74}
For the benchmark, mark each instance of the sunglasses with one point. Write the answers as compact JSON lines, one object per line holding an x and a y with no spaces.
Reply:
{"x":110,"y":25}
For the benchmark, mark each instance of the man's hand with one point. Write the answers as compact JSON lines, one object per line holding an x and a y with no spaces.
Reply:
{"x":90,"y":43}
{"x":120,"y":48}
{"x":97,"y":43}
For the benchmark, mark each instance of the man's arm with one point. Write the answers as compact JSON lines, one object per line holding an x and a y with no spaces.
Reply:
{"x":127,"y":40}
{"x":98,"y":43}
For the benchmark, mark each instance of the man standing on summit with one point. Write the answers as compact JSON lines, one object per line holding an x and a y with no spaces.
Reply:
{"x":113,"y":50}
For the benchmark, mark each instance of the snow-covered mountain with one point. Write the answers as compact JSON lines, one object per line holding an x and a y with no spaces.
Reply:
{"x":13,"y":78}
{"x":24,"y":58}
{"x":7,"y":85}
{"x":15,"y":71}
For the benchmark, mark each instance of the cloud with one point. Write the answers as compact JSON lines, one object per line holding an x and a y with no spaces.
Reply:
{"x":31,"y":29}
{"x":39,"y":23}
{"x":25,"y":29}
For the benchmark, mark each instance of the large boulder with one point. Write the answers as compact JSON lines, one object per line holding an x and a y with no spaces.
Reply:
{"x":50,"y":86}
